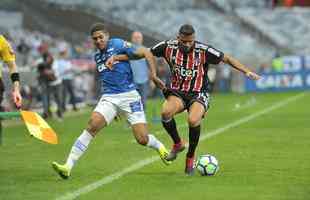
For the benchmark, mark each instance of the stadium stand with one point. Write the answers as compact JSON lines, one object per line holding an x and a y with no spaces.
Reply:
{"x":290,"y":32}
{"x":222,"y":30}
{"x":294,"y":22}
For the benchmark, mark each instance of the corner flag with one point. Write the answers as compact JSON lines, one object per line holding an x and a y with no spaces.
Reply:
{"x":38,"y":127}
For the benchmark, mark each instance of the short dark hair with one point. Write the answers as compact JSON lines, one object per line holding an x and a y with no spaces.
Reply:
{"x":186,"y":29}
{"x":98,"y":27}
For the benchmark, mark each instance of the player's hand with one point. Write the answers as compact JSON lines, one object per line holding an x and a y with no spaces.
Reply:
{"x":17,"y":98}
{"x":159,"y":83}
{"x":109,"y":62}
{"x":253,"y":75}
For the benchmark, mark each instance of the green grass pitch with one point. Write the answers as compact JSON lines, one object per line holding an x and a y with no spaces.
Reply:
{"x":267,"y":157}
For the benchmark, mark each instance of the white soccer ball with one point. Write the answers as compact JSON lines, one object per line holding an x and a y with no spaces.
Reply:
{"x":207,"y":165}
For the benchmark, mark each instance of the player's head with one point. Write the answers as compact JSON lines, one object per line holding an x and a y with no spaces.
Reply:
{"x":137,"y":38}
{"x":99,"y":35}
{"x":186,"y":37}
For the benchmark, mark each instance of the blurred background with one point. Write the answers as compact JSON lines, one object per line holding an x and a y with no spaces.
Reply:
{"x":270,"y":36}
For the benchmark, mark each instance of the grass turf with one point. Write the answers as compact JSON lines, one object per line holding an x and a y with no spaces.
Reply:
{"x":265,"y":158}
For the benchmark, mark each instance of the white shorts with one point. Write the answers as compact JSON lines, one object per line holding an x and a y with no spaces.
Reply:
{"x":127,"y":103}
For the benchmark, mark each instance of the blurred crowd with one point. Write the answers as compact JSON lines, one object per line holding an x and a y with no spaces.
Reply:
{"x":286,"y":3}
{"x":54,"y":71}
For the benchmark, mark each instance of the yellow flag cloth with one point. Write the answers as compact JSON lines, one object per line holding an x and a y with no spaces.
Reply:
{"x":38,"y":127}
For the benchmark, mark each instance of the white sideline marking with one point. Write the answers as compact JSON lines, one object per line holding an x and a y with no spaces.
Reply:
{"x":108,"y":179}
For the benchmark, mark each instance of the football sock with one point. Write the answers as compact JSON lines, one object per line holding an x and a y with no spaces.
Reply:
{"x":194,"y":133}
{"x":171,"y":128}
{"x":78,"y":148}
{"x":153,"y":142}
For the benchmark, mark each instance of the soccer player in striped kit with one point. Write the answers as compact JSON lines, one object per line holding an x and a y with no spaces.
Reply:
{"x":188,"y":60}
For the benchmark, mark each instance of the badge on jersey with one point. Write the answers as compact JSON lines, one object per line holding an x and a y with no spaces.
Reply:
{"x":127,"y":44}
{"x":136,"y":106}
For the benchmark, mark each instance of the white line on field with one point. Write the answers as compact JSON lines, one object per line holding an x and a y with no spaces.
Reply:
{"x":108,"y":179}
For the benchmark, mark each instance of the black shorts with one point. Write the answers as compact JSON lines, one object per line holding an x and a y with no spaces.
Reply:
{"x":188,"y":98}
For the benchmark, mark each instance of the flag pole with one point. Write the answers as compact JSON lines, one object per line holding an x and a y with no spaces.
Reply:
{"x":6,"y":115}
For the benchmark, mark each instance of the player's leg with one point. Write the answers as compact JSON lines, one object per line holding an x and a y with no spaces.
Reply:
{"x":103,"y":114}
{"x":45,"y":95}
{"x":196,"y":112}
{"x":64,"y":91}
{"x":132,"y":106}
{"x":172,"y":106}
{"x":144,"y":138}
{"x":56,"y":90}
{"x":72,"y":94}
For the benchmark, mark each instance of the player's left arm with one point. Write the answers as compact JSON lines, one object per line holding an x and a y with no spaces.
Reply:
{"x":17,"y":98}
{"x":130,"y":53}
{"x":143,"y":52}
{"x":9,"y":58}
{"x":233,"y":62}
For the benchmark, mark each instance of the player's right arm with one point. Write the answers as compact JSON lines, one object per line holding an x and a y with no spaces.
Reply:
{"x":159,"y":49}
{"x":8,"y":56}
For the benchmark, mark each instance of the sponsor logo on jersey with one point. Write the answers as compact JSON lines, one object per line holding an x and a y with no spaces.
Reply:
{"x":127,"y":44}
{"x":185,"y":72}
{"x":101,"y":67}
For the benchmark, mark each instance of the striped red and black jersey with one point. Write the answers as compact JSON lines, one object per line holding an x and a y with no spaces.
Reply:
{"x":188,"y":71}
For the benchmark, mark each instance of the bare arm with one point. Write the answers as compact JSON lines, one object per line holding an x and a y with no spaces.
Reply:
{"x":143,"y":52}
{"x":13,"y":69}
{"x":114,"y":58}
{"x":139,"y":53}
{"x":16,"y":85}
{"x":240,"y":67}
{"x":121,"y":57}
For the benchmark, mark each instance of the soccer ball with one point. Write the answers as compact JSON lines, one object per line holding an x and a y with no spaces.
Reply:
{"x":207,"y":165}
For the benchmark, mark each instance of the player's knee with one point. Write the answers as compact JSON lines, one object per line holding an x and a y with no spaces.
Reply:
{"x":166,"y":114}
{"x":93,"y":128}
{"x":193,"y":121}
{"x":143,"y":140}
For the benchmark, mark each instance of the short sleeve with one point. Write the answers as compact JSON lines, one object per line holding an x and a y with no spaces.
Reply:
{"x":159,"y":49}
{"x":214,"y":56}
{"x":126,"y":48}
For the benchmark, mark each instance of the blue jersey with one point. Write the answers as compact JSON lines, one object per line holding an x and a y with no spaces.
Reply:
{"x":120,"y":78}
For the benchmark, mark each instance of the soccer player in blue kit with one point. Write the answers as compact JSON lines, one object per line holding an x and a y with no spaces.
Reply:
{"x":119,"y":95}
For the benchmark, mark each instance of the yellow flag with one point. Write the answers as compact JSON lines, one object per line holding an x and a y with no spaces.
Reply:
{"x":38,"y":127}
